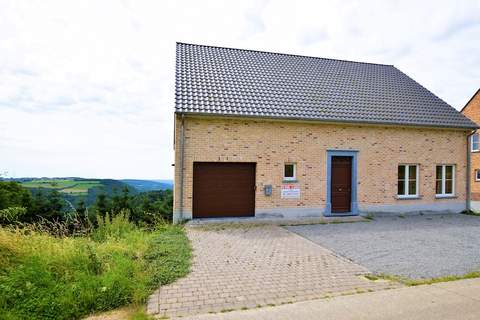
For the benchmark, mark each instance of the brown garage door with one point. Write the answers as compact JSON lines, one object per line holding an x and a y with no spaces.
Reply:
{"x":223,"y":189}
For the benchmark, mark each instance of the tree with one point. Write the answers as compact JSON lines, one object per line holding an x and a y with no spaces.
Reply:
{"x":102,"y":204}
{"x":48,"y":205}
{"x":12,"y":194}
{"x":121,"y":202}
{"x":55,"y":205}
{"x":81,"y":207}
{"x":125,"y":199}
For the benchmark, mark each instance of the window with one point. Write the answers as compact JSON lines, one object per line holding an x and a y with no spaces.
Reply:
{"x":407,"y":180}
{"x":477,"y":175}
{"x":474,"y":142}
{"x":445,"y":180}
{"x":289,"y":172}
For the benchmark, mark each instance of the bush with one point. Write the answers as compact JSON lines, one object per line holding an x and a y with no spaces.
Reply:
{"x":12,"y":215}
{"x":116,"y":227}
{"x":12,"y":194}
{"x":47,"y":277}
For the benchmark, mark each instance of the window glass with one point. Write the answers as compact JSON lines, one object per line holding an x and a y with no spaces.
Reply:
{"x":407,"y":180}
{"x":439,"y":172}
{"x":401,"y":187}
{"x":448,"y":187}
{"x":438,"y":187}
{"x":289,"y":172}
{"x":444,"y":179}
{"x":412,"y":187}
{"x":449,"y":172}
{"x":401,"y":180}
{"x":412,"y":173}
{"x":438,"y":181}
{"x":477,"y":173}
{"x":448,"y":179}
{"x":475,"y":142}
{"x":412,"y":180}
{"x":401,"y":172}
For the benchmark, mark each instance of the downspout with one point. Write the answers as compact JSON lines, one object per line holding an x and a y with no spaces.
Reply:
{"x":468,"y":205}
{"x":182,"y":151}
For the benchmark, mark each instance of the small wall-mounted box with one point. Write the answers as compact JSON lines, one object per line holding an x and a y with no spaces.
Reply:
{"x":267,"y":190}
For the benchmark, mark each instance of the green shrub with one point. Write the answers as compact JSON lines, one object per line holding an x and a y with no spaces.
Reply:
{"x":12,"y":215}
{"x":46,"y":277}
{"x":116,"y":227}
{"x":12,"y":194}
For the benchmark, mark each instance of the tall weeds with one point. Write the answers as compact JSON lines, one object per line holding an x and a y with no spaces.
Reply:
{"x":46,"y":273}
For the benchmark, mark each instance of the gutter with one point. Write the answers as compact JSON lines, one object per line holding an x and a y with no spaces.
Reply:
{"x":182,"y":161}
{"x":328,"y":121}
{"x":468,"y":186}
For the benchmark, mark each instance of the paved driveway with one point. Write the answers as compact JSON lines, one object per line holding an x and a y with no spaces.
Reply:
{"x":244,"y":267}
{"x":413,"y":246}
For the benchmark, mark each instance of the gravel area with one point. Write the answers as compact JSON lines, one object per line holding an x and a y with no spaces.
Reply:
{"x":412,"y":246}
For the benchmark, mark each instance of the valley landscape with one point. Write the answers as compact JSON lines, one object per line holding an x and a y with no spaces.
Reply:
{"x":75,"y":189}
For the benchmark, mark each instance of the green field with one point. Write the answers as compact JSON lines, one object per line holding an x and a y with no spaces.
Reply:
{"x":69,"y":186}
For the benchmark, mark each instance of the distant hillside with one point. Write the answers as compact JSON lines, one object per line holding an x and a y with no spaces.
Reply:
{"x":75,"y":189}
{"x":149,"y":185}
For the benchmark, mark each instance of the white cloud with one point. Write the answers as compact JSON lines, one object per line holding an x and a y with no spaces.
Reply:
{"x":87,"y":87}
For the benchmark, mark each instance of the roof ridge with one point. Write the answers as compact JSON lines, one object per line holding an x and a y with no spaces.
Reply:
{"x":285,"y":54}
{"x":223,"y":82}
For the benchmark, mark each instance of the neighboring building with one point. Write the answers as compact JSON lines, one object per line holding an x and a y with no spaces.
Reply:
{"x":277,"y":135}
{"x":472,"y":111}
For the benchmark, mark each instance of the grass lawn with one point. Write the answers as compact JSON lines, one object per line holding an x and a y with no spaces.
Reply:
{"x":118,"y":264}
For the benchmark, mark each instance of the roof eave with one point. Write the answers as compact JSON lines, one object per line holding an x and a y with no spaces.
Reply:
{"x":326,"y":121}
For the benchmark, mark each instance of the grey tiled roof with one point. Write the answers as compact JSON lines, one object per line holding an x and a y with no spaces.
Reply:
{"x":235,"y":82}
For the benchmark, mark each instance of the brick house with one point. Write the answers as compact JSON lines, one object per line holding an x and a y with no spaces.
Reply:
{"x":472,"y":111}
{"x":278,"y":135}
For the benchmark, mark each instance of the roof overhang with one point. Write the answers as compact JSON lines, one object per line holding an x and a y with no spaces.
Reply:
{"x":322,"y":121}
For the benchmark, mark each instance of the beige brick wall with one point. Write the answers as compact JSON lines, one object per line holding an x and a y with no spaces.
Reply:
{"x":272,"y":143}
{"x":472,"y":111}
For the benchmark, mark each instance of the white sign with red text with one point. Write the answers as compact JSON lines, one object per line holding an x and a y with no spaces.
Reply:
{"x":290,"y":191}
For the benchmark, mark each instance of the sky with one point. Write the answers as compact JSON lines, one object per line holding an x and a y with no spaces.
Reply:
{"x":87,"y":87}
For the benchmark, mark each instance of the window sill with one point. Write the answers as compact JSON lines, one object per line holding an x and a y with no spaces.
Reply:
{"x":445,"y":196}
{"x":289,"y":181}
{"x":409,"y":197}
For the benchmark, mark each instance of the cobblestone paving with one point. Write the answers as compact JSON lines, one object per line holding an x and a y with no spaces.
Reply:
{"x":245,"y":267}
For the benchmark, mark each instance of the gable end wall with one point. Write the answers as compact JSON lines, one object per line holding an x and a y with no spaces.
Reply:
{"x":472,"y":111}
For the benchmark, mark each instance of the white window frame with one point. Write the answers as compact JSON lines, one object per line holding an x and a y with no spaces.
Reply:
{"x":444,"y":179}
{"x":294,"y":178}
{"x":407,"y":180}
{"x":478,"y":142}
{"x":477,"y":171}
